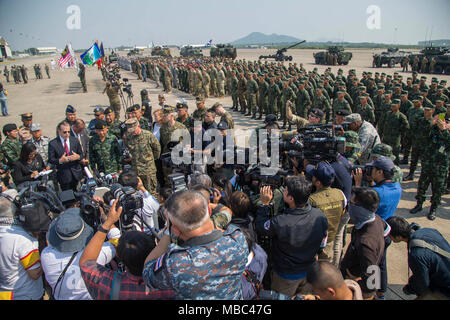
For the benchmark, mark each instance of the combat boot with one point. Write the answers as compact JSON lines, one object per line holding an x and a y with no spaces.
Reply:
{"x":260,"y":117}
{"x":248,"y":113}
{"x":432,"y":214}
{"x":410,"y":176}
{"x":254,"y":115}
{"x":416,"y":209}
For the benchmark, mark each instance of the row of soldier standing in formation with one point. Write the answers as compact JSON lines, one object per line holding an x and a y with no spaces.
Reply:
{"x":20,"y":73}
{"x":401,"y":111}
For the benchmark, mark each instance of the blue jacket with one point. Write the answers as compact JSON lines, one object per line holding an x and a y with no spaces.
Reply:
{"x":390,"y":194}
{"x":430,"y":269}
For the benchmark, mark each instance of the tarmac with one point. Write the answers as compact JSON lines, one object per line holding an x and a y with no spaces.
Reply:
{"x":47,"y":100}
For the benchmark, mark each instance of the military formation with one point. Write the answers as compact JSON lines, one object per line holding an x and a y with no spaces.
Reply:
{"x":19,"y":73}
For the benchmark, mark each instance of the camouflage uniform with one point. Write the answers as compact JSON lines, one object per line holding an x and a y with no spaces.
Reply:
{"x":166,"y":132}
{"x":228,"y":118}
{"x":392,"y":126}
{"x":199,"y":114}
{"x":434,"y":166}
{"x":367,"y":113}
{"x":115,"y":128}
{"x":209,"y":271}
{"x":105,"y":156}
{"x":221,"y":83}
{"x":263,"y":97}
{"x":274,"y":93}
{"x":144,"y":149}
{"x":114,"y":99}
{"x":82,"y":76}
{"x":206,"y":80}
{"x":321,"y":102}
{"x":414,"y":140}
{"x":11,"y":149}
{"x":252,"y":90}
{"x":234,"y":92}
{"x":42,"y":147}
{"x":242,"y":89}
{"x":341,"y":105}
{"x":351,"y":140}
{"x":302,"y":103}
{"x":287,"y":95}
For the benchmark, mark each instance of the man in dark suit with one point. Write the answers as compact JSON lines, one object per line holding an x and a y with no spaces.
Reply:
{"x":78,"y":131}
{"x":64,"y":152}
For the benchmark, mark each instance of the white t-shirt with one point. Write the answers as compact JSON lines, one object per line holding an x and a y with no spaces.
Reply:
{"x":19,"y":251}
{"x":72,"y":286}
{"x":148,"y":213}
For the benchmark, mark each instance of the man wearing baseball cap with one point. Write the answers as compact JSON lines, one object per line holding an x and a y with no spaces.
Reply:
{"x":381,"y":172}
{"x":331,"y":202}
{"x":41,"y":142}
{"x":367,"y":135}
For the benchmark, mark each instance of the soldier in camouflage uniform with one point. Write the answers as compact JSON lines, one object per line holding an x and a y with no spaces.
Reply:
{"x":287,"y":94}
{"x":41,"y":142}
{"x":224,"y":115}
{"x":303,"y":101}
{"x":206,"y":80}
{"x":112,"y":91}
{"x":392,"y":125}
{"x":82,"y":76}
{"x":183,"y":115}
{"x":105,"y":154}
{"x":234,"y":90}
{"x":384,"y":150}
{"x":366,"y":110}
{"x":352,"y":147}
{"x":221,"y":83}
{"x":199,"y":114}
{"x":144,"y":148}
{"x":421,"y":119}
{"x":263,"y":96}
{"x":114,"y":125}
{"x":321,"y":102}
{"x":252,"y":90}
{"x":208,"y":265}
{"x":435,"y":164}
{"x":274,"y":93}
{"x":242,"y":90}
{"x":11,"y":146}
{"x":6,"y":73}
{"x":341,"y":103}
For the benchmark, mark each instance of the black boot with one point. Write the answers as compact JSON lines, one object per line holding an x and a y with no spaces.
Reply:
{"x":432,"y":214}
{"x":254,"y":115}
{"x":280,"y":118}
{"x":416,"y":209}
{"x":410,"y":176}
{"x":260,"y":117}
{"x":248,"y":114}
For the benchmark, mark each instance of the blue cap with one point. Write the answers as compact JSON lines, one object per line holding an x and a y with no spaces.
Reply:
{"x":322,"y":171}
{"x":70,"y":109}
{"x":382,"y":163}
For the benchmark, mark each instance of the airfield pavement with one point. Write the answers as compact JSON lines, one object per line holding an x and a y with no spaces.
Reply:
{"x":47,"y":100}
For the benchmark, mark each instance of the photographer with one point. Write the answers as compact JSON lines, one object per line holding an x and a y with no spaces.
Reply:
{"x":67,"y":237}
{"x":381,"y":172}
{"x":133,"y":248}
{"x":20,"y":267}
{"x":298,"y":234}
{"x":208,"y":265}
{"x":113,"y":92}
{"x":428,"y":259}
{"x":146,"y":218}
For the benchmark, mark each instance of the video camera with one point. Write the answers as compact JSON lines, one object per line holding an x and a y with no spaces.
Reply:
{"x":127,"y":87}
{"x":316,"y":143}
{"x":130,"y":201}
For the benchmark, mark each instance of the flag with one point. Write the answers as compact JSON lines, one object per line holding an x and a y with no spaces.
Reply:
{"x":91,"y":55}
{"x":74,"y":57}
{"x":101,"y":50}
{"x":65,"y":57}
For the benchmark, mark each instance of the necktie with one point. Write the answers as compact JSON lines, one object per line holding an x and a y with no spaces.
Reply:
{"x":66,"y":148}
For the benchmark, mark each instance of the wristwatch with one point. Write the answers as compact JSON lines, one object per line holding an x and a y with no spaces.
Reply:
{"x":101,"y":229}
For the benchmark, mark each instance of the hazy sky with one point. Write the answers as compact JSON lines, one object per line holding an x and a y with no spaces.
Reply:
{"x":40,"y":23}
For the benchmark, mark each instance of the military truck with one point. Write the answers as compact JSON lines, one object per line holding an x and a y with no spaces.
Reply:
{"x":343,"y":57}
{"x":113,"y":57}
{"x":391,"y":57}
{"x":161,"y":51}
{"x":133,"y":52}
{"x":189,"y":51}
{"x":224,"y":51}
{"x":440,"y":54}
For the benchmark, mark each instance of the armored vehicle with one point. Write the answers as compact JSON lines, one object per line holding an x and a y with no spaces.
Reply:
{"x":326,"y":57}
{"x":389,"y":58}
{"x":441,"y":56}
{"x":225,"y":51}
{"x":189,"y":51}
{"x":161,"y":51}
{"x":113,"y":57}
{"x":279,"y":56}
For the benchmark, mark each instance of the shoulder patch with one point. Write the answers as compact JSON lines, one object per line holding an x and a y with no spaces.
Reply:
{"x":159,"y":263}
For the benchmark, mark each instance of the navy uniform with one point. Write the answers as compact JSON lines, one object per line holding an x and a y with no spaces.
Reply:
{"x":212,"y":270}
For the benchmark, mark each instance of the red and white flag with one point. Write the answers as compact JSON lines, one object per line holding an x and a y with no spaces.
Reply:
{"x":66,"y":56}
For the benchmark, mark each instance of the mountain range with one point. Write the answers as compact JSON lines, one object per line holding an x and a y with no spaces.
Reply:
{"x":258,"y":38}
